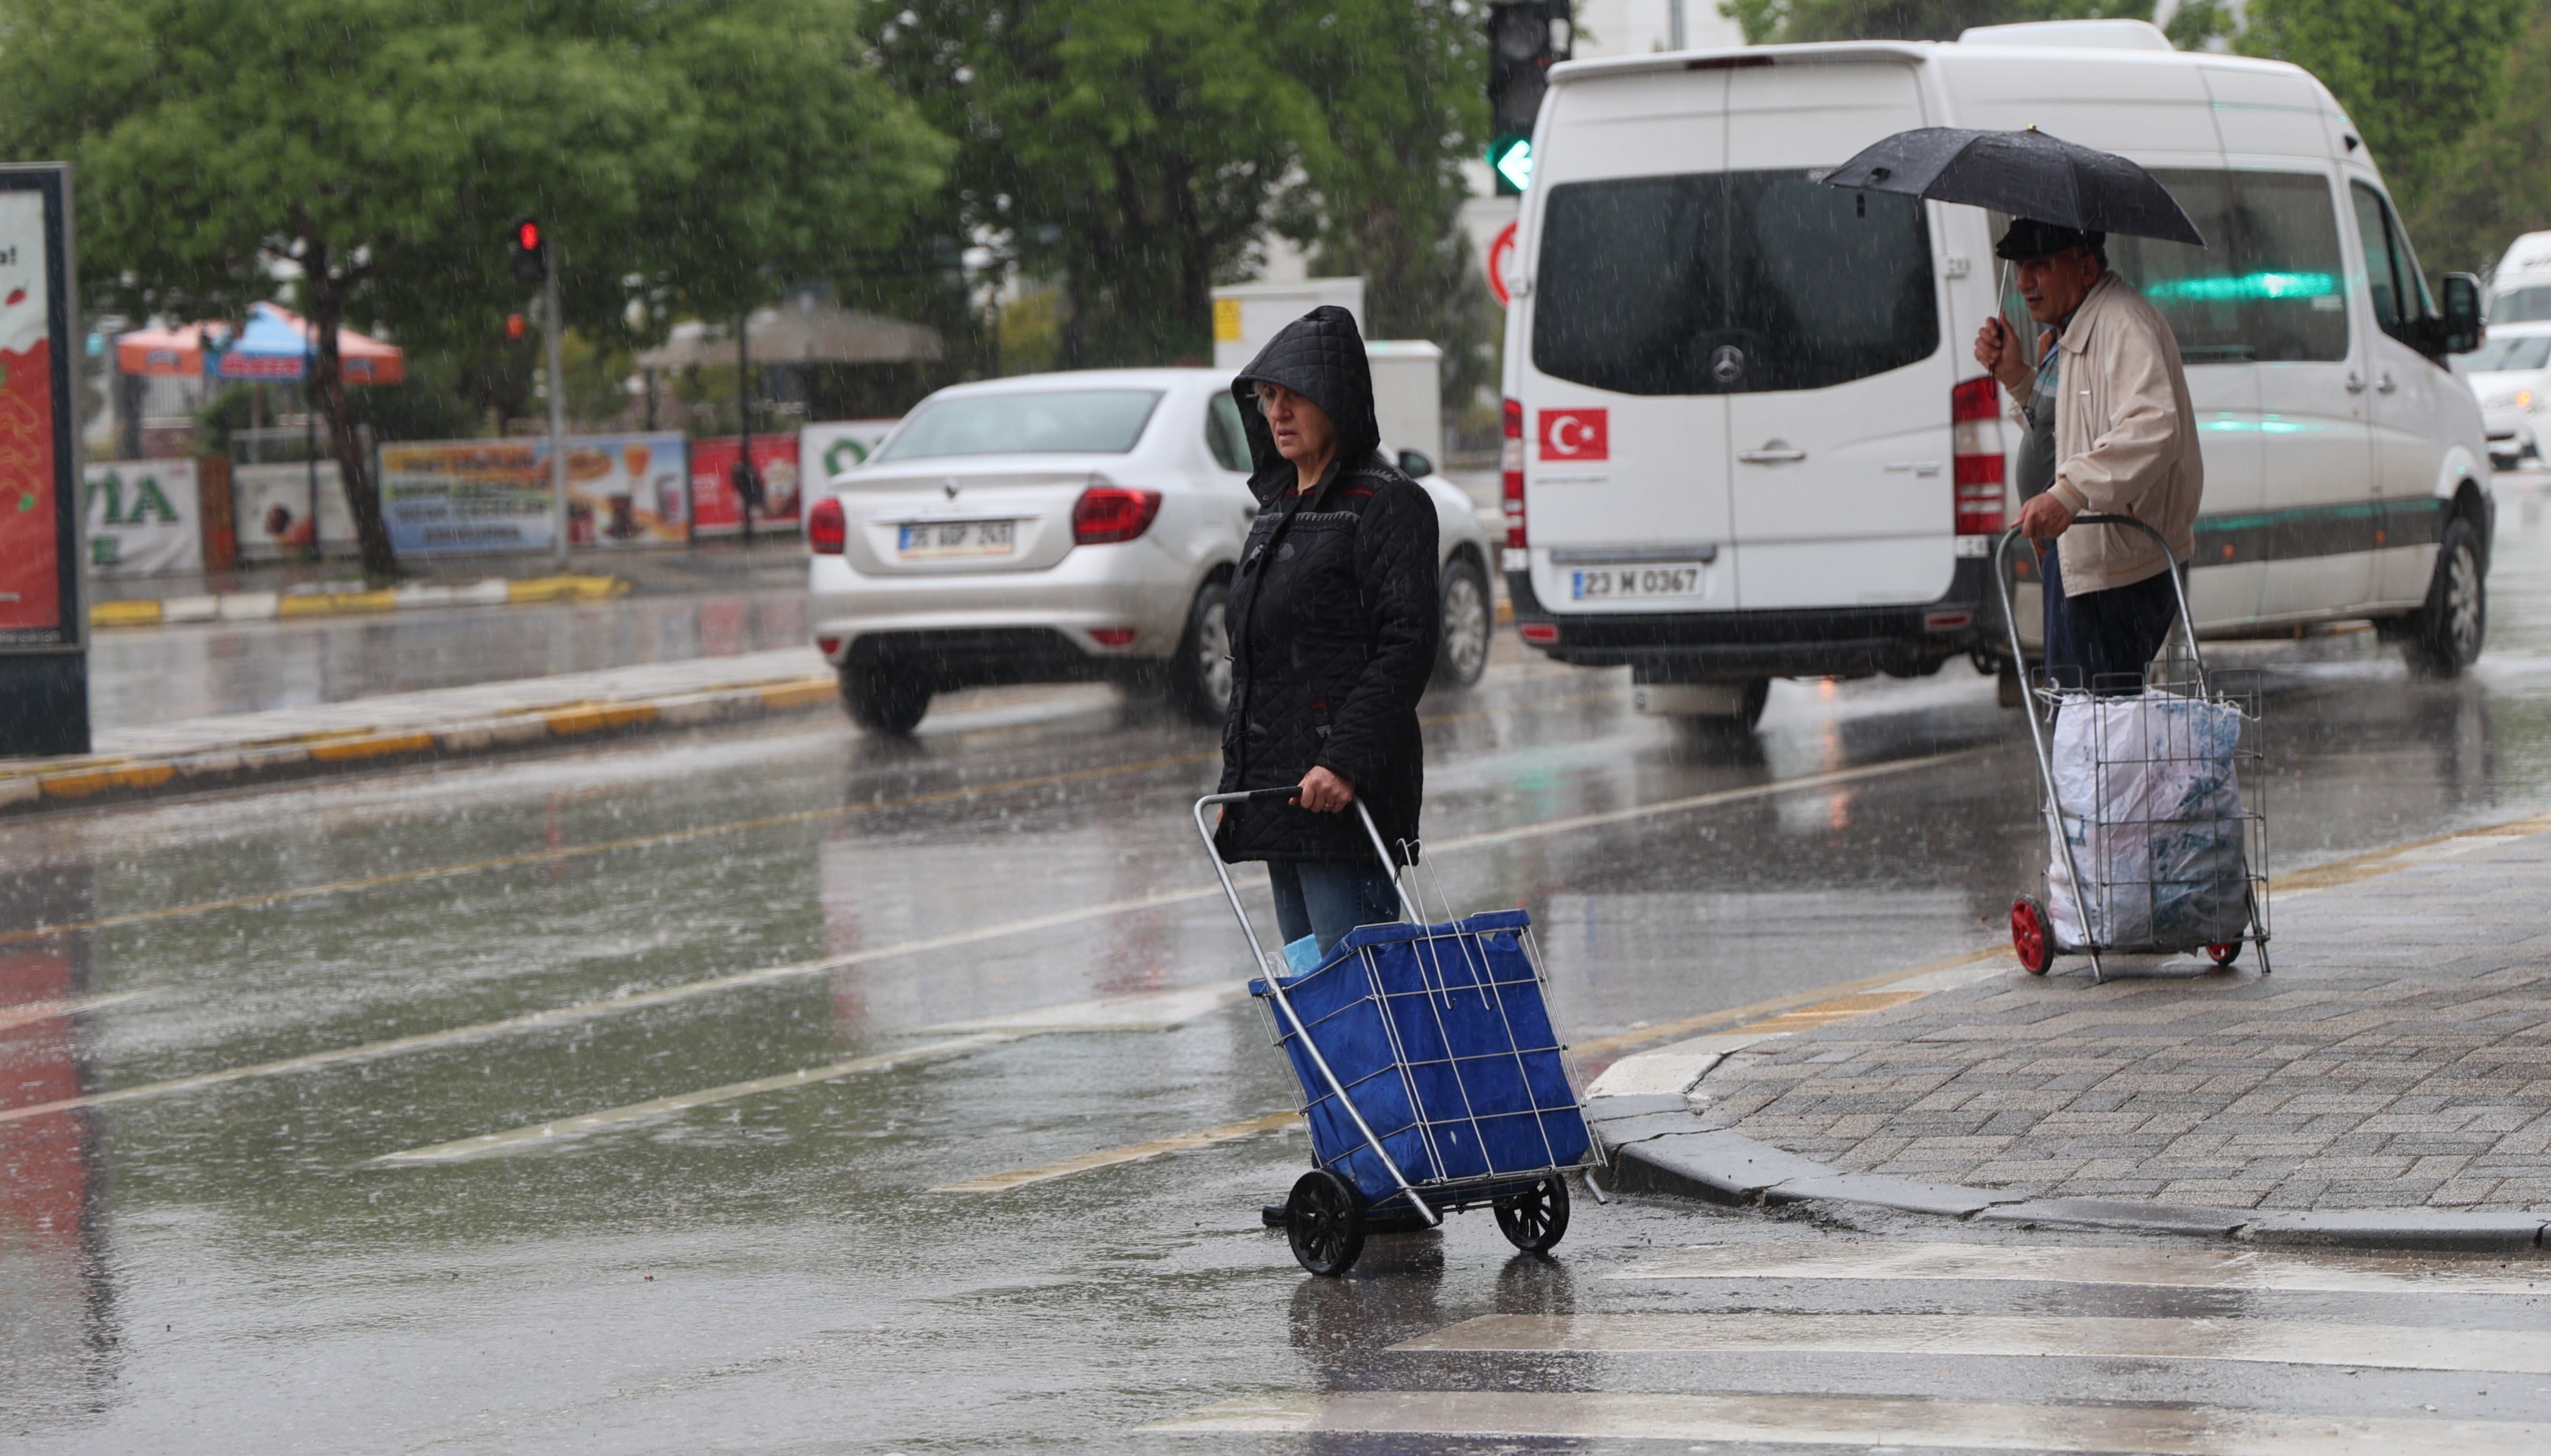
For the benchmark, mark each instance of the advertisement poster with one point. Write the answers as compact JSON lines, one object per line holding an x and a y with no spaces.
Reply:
{"x":453,"y":497}
{"x":145,"y":518}
{"x":719,"y":511}
{"x":272,"y":504}
{"x":38,"y":567}
{"x":827,"y":450}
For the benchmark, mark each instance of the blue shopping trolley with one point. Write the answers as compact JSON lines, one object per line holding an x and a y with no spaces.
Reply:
{"x":1432,"y":1078}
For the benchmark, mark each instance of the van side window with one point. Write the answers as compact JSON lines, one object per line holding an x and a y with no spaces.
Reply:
{"x":1730,"y":283}
{"x":2391,"y":271}
{"x":2269,"y":285}
{"x":2521,"y":306}
{"x":1223,"y":433}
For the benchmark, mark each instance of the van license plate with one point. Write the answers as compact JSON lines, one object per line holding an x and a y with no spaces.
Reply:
{"x":927,"y":539}
{"x":1634,"y":583}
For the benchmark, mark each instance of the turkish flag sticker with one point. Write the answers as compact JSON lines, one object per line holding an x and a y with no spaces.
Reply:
{"x":1576,"y":434}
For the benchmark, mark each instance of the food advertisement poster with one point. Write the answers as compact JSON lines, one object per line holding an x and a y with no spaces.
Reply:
{"x":39,"y":514}
{"x":719,"y":509}
{"x":827,"y":450}
{"x":456,"y":497}
{"x":145,"y":518}
{"x":272,"y":504}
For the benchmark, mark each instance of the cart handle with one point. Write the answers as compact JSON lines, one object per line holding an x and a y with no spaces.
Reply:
{"x":1274,"y":981}
{"x":2004,"y":582}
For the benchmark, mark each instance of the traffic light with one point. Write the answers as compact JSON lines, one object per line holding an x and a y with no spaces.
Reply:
{"x":530,"y":242}
{"x":1525,"y":37}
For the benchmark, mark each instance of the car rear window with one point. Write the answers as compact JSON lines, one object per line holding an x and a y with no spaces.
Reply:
{"x":1041,"y":422}
{"x":2521,"y":305}
{"x":2268,"y":285}
{"x":1730,"y":283}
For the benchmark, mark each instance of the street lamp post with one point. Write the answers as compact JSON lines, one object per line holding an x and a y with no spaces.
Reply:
{"x":558,"y":408}
{"x":746,"y":487}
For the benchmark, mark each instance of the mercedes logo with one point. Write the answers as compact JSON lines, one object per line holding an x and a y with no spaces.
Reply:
{"x":949,"y":486}
{"x":1728,"y":364}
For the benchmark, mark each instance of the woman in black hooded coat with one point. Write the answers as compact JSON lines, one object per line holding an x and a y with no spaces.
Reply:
{"x":1333,"y":618}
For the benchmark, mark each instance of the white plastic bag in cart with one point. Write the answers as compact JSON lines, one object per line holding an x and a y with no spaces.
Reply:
{"x":2153,"y":808}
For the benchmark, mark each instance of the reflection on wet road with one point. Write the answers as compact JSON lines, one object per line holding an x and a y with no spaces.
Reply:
{"x":918,"y":960}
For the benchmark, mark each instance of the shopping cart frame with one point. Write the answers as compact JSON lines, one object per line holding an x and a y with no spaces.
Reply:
{"x":1426,"y":1200}
{"x":2051,"y":697}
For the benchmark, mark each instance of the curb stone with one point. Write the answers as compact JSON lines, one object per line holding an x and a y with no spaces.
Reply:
{"x":51,"y":785}
{"x":496,"y":591}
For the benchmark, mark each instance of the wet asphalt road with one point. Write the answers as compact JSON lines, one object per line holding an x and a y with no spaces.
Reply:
{"x":773,"y":1269}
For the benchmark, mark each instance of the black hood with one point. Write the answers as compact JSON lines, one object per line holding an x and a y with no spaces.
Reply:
{"x":1320,"y":356}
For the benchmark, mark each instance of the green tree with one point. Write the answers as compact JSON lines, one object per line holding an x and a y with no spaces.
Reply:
{"x":2415,"y":75}
{"x":2494,"y":185}
{"x":377,"y":150}
{"x":1768,"y":21}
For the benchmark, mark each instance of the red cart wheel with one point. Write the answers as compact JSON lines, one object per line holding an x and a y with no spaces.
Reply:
{"x":2225,"y":953}
{"x":2031,"y":935}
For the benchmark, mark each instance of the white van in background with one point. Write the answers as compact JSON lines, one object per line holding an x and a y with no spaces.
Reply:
{"x":1747,"y":440}
{"x":2519,"y":291}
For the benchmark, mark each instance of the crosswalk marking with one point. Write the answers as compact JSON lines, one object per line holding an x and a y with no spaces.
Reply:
{"x":1827,"y":1420}
{"x":2331,"y":1270}
{"x":1132,"y":1153}
{"x":2269,"y":1341}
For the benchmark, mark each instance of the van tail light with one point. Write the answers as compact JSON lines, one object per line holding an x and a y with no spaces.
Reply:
{"x":1512,"y":468}
{"x":1112,"y":513}
{"x":1975,"y":428}
{"x":825,"y":526}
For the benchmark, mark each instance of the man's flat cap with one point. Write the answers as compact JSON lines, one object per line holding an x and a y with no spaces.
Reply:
{"x":2028,"y":237}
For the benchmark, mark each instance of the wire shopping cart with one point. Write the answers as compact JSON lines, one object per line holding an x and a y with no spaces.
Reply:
{"x":1432,"y":1078}
{"x":2152,"y":790}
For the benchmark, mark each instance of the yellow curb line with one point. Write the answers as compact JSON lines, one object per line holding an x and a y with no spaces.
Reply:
{"x":125,"y":614}
{"x":374,"y":747}
{"x":532,"y":591}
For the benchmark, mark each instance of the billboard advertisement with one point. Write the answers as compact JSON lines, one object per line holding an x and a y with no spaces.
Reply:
{"x":272,"y":504}
{"x":827,"y":450}
{"x":145,"y":518}
{"x":716,"y":506}
{"x":39,"y":489}
{"x":465,"y":496}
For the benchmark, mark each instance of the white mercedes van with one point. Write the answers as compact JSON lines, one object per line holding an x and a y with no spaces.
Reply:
{"x":1745,"y":436}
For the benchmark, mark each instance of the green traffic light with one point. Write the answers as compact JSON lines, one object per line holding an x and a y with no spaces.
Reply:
{"x":1510,"y":157}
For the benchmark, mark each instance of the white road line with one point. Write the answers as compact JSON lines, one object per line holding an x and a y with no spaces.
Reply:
{"x":519,"y":1138}
{"x":27,"y":1013}
{"x":2270,"y":1341}
{"x":669,"y":995}
{"x":1821,"y":1421}
{"x":2333,"y":1271}
{"x":1114,"y":1156}
{"x":1150,"y":1010}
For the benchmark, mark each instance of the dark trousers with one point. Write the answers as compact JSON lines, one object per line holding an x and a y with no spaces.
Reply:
{"x":1329,"y":897}
{"x":2102,"y":641}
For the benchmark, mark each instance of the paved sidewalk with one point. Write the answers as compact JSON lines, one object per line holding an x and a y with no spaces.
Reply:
{"x":2393,"y":1073}
{"x":236,"y":749}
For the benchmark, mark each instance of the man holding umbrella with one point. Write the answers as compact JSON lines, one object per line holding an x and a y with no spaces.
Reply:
{"x":2124,"y":442}
{"x":2124,"y":434}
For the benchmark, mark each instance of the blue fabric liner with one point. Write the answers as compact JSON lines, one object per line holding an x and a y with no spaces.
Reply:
{"x":1441,"y":1036}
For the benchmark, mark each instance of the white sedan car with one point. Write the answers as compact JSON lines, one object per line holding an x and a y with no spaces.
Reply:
{"x":1059,"y":528}
{"x":2510,"y":374}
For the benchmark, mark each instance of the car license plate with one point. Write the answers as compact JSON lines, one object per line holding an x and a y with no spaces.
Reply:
{"x":926,"y":539}
{"x":1634,"y":583}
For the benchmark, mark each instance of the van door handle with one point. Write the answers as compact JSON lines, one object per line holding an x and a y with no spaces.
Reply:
{"x":2354,"y":382}
{"x":1773,"y":452}
{"x":2385,"y":385}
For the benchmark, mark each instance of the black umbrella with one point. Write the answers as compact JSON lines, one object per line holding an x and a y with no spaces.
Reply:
{"x":2027,"y":175}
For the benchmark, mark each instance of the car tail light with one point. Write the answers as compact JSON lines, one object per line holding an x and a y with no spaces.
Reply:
{"x":1112,"y":637}
{"x":1513,"y":466}
{"x":1975,"y":427}
{"x":828,"y":646}
{"x":1540,"y":634}
{"x":826,"y":528}
{"x":1112,"y":513}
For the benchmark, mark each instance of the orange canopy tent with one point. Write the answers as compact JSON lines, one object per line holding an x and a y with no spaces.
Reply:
{"x":275,"y":346}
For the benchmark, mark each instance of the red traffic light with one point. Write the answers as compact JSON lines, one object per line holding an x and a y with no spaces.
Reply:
{"x":530,"y":247}
{"x":526,"y":236}
{"x":514,"y":325}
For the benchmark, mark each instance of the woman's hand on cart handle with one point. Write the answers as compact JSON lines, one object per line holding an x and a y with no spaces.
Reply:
{"x":1323,"y":792}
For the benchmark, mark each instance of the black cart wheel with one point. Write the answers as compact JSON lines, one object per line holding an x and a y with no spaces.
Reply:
{"x":2032,"y":935}
{"x":1324,"y":1222}
{"x":2225,"y":953}
{"x":1537,"y":1219}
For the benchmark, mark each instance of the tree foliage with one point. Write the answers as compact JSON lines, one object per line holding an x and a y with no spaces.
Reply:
{"x":2494,"y":186}
{"x":1133,"y":152}
{"x":379,"y":147}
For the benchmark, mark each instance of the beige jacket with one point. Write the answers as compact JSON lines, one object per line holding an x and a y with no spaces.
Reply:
{"x":2126,"y":440}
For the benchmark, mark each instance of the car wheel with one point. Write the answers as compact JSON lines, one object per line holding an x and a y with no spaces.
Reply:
{"x":2446,"y":634}
{"x":886,"y":702}
{"x":1199,"y":678}
{"x":1470,"y":621}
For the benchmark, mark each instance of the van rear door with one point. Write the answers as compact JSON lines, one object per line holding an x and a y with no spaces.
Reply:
{"x":1842,"y":486}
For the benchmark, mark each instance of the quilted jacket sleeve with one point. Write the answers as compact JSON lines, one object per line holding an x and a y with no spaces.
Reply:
{"x":1395,"y":576}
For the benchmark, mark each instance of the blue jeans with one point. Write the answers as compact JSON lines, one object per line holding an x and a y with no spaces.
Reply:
{"x":1329,"y":897}
{"x":2102,"y":641}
